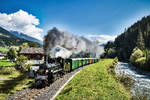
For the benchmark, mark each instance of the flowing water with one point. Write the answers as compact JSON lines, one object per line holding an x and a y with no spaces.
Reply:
{"x":142,"y":80}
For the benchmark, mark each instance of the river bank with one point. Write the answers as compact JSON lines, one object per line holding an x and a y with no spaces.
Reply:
{"x":141,"y":79}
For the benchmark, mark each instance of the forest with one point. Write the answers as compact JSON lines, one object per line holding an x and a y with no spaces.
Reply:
{"x":132,"y":45}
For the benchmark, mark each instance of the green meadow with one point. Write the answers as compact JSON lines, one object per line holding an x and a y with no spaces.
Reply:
{"x":94,"y":83}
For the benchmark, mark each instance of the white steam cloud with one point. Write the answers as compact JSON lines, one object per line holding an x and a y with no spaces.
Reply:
{"x":67,"y":44}
{"x":23,"y":22}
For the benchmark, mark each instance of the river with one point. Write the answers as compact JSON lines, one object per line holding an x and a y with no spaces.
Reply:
{"x":142,"y":80}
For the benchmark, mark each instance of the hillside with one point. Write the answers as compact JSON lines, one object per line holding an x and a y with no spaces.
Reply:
{"x":26,"y":37}
{"x":8,"y":39}
{"x":138,"y":35}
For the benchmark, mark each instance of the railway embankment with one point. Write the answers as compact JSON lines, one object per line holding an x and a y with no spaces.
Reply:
{"x":95,"y":82}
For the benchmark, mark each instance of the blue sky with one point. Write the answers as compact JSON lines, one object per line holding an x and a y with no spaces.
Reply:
{"x":81,"y":17}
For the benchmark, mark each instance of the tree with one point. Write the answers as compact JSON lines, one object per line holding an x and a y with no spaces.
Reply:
{"x":140,"y":40}
{"x":111,"y":53}
{"x":25,"y":45}
{"x":137,"y":53}
{"x":33,"y":44}
{"x":21,"y":63}
{"x":11,"y":54}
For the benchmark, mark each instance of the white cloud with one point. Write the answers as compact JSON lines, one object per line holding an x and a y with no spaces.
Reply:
{"x":21,"y":21}
{"x":102,"y":38}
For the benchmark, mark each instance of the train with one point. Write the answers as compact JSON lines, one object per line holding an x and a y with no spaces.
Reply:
{"x":57,"y":67}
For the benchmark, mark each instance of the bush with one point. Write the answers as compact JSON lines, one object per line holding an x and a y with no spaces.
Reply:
{"x":116,"y":59}
{"x":126,"y":80}
{"x":136,"y":55}
{"x":111,"y":53}
{"x":141,"y":62}
{"x":111,"y":66}
{"x":21,"y":63}
{"x":12,"y":54}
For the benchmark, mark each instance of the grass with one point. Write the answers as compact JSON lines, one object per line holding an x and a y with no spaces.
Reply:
{"x":4,"y":50}
{"x":13,"y":82}
{"x":4,"y":35}
{"x":6,"y":63}
{"x":94,"y":83}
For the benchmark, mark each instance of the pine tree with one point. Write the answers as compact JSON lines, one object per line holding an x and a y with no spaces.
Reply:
{"x":140,"y":39}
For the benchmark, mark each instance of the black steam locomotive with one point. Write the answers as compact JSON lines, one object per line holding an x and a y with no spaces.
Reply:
{"x":48,"y":71}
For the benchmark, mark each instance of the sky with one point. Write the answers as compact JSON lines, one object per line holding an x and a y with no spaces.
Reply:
{"x":102,"y":19}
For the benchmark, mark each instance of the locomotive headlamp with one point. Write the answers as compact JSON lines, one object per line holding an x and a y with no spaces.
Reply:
{"x":46,"y":71}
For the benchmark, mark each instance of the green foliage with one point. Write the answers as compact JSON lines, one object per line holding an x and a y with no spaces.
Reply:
{"x":109,"y":45}
{"x":111,"y":53}
{"x":136,"y":55}
{"x":111,"y":66}
{"x":140,"y":59}
{"x":116,"y":59}
{"x":126,"y":80}
{"x":141,"y":62}
{"x":138,"y":35}
{"x":21,"y":63}
{"x":20,"y":60}
{"x":25,"y":45}
{"x":140,"y":40}
{"x":11,"y":54}
{"x":32,"y":44}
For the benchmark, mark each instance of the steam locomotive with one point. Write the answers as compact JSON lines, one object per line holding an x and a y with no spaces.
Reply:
{"x":56,"y":67}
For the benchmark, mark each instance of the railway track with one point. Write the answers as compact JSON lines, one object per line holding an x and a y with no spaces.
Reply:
{"x":31,"y":94}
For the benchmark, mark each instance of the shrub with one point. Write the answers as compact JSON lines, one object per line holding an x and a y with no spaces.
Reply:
{"x":126,"y":80}
{"x":12,"y":54}
{"x":136,"y":55}
{"x":111,"y":66}
{"x":116,"y":59}
{"x":21,"y":63}
{"x":141,"y":62}
{"x":111,"y":53}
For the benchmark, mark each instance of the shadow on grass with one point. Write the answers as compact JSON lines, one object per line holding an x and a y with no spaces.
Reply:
{"x":9,"y":85}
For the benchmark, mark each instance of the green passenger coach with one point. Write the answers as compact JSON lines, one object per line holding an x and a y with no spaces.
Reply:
{"x":74,"y":63}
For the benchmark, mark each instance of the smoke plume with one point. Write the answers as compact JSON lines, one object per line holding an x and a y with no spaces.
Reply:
{"x":63,"y":43}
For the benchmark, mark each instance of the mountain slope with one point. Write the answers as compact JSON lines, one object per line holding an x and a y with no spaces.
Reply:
{"x":26,"y":37}
{"x":138,"y":35}
{"x":8,"y":39}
